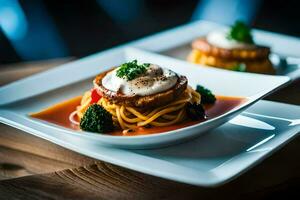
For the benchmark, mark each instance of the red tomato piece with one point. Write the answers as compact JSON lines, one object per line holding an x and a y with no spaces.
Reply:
{"x":95,"y":96}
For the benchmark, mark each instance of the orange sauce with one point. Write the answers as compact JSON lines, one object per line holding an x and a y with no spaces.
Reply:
{"x":59,"y":114}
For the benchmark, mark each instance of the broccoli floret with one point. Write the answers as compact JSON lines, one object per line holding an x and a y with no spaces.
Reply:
{"x":207,"y":97}
{"x":96,"y":119}
{"x":195,"y":111}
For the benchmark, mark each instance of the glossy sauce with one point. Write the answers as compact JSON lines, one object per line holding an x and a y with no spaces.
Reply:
{"x":59,"y":114}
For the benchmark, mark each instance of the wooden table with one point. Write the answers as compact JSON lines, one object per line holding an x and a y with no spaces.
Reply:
{"x":32,"y":168}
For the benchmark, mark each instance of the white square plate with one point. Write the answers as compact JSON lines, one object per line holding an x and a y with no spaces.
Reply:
{"x":212,"y":159}
{"x":26,"y":96}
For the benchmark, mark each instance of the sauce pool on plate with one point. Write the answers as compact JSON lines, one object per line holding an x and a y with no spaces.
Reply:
{"x":59,"y":114}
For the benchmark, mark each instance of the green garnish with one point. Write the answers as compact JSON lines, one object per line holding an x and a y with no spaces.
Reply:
{"x":240,"y":32}
{"x":207,"y":97}
{"x":96,"y":119}
{"x":241,"y":67}
{"x":131,"y":70}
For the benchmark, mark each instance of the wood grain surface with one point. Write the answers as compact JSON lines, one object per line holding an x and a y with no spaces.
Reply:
{"x":32,"y":168}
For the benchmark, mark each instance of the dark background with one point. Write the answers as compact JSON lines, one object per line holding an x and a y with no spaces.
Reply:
{"x":79,"y":28}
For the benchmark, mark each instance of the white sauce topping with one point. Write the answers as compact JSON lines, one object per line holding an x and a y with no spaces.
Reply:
{"x":219,"y":39}
{"x":156,"y":79}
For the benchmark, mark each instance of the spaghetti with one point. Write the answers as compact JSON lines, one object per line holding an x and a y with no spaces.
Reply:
{"x":127,"y":117}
